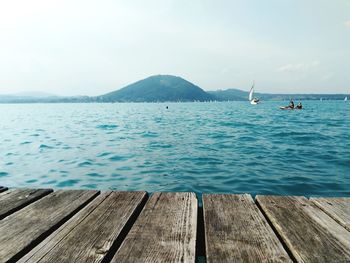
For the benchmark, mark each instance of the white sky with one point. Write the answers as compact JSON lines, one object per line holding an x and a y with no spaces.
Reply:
{"x":92,"y":47}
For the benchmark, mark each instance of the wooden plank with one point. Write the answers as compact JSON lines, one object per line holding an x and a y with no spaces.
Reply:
{"x":309,"y":233}
{"x":64,"y":230}
{"x":2,"y":189}
{"x":15,"y":199}
{"x":21,"y":231}
{"x":337,"y":208}
{"x":90,"y":234}
{"x":165,"y":231}
{"x":236,"y":231}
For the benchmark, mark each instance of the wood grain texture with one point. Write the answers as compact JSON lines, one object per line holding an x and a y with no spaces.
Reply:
{"x":89,"y":235}
{"x":64,"y":230}
{"x":236,"y":231}
{"x":309,"y":233}
{"x":165,"y":231}
{"x":337,"y":208}
{"x":21,"y":231}
{"x":15,"y":199}
{"x":2,"y":189}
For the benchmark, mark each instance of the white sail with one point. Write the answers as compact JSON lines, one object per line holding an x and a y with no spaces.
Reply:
{"x":251,"y":93}
{"x":346,"y":98}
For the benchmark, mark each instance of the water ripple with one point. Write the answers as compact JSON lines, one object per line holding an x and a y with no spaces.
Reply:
{"x":107,"y":126}
{"x":201,"y":147}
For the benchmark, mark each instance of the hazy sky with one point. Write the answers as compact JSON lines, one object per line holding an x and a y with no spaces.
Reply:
{"x":70,"y":47}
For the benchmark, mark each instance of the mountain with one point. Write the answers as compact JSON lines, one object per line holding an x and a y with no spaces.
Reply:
{"x":159,"y":88}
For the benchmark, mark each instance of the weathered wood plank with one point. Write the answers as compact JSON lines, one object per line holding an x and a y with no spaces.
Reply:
{"x":64,"y":230}
{"x":309,"y":233}
{"x":21,"y":231}
{"x":2,"y":189}
{"x":165,"y":231}
{"x":236,"y":231}
{"x":15,"y":199}
{"x":337,"y":208}
{"x":89,"y":235}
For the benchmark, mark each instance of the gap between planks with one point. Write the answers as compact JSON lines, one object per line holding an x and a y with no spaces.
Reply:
{"x":308,"y":232}
{"x":107,"y":219}
{"x":201,"y":250}
{"x":22,"y":231}
{"x":15,"y":199}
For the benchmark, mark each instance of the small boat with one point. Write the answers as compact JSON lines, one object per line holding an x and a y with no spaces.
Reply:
{"x":289,"y":108}
{"x":252,"y":100}
{"x":286,"y":108}
{"x":292,"y":107}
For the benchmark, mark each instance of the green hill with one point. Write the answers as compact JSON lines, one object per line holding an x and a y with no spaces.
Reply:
{"x":158,"y":88}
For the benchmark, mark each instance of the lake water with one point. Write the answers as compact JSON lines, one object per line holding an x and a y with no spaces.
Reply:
{"x":230,"y":147}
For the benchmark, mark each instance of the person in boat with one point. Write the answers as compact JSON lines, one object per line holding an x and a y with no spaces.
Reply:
{"x":291,"y":104}
{"x":299,"y":106}
{"x":256,"y":100}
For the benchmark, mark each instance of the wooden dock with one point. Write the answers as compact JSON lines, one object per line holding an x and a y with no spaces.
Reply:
{"x":43,"y":225}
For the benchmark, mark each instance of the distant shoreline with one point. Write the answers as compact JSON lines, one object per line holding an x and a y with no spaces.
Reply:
{"x":153,"y":102}
{"x":163,"y":88}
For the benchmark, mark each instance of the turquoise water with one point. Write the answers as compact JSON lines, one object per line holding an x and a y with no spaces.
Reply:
{"x":228,"y":147}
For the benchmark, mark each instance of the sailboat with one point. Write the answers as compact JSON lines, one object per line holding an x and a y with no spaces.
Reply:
{"x":251,"y":94}
{"x":346,"y":98}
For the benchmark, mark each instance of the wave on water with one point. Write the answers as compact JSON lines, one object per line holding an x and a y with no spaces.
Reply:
{"x":85,"y":163}
{"x":149,"y":134}
{"x":104,"y":154}
{"x":107,"y":126}
{"x":116,"y":158}
{"x":95,"y":175}
{"x":25,"y":142}
{"x":3,"y":174}
{"x":68,"y":183}
{"x":44,"y":146}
